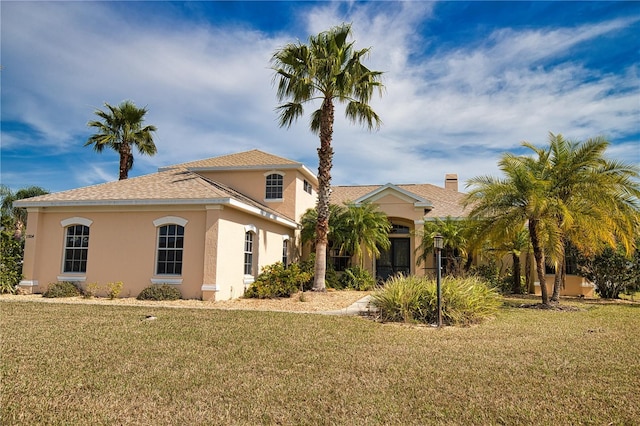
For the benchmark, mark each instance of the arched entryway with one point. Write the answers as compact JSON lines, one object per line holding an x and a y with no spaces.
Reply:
{"x":397,"y":259}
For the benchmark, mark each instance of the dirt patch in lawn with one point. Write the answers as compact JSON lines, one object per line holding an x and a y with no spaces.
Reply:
{"x":310,"y":302}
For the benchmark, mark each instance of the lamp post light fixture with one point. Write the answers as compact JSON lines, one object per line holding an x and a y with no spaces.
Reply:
{"x":438,"y":245}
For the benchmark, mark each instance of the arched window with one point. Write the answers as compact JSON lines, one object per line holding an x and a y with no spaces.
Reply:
{"x":170,"y":249}
{"x":274,"y":186}
{"x":76,"y":248}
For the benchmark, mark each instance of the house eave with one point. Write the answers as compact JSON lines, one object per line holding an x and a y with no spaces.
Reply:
{"x":163,"y":202}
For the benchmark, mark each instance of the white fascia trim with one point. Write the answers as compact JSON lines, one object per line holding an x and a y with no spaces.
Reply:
{"x":259,"y":212}
{"x":171,"y":281}
{"x":28,"y":283}
{"x":209,"y":287}
{"x":149,"y":202}
{"x":417,"y":200}
{"x":72,"y":278}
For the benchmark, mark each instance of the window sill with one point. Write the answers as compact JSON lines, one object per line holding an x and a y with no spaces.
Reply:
{"x":72,"y":278}
{"x":248,"y":279}
{"x":170,"y":281}
{"x":273,"y":200}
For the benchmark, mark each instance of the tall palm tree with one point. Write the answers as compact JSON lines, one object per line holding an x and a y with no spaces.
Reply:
{"x":566,"y":192}
{"x":600,"y":198}
{"x":326,"y":69}
{"x":517,"y":200}
{"x":121,"y":129}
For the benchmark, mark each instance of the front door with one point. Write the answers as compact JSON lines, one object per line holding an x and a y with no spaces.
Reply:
{"x":395,"y":260}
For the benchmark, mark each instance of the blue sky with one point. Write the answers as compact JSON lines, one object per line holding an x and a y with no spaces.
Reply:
{"x":465,"y":82}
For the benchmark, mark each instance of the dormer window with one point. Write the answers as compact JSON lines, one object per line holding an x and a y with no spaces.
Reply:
{"x":274,"y":186}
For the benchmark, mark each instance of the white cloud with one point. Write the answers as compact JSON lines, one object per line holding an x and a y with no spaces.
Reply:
{"x":208,"y":89}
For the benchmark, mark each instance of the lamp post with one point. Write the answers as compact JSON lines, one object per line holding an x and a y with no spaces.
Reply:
{"x":438,"y":244}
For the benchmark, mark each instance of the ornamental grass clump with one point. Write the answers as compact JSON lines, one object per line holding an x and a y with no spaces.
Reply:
{"x":465,"y":301}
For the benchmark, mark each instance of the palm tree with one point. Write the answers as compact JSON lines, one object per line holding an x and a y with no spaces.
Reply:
{"x":600,"y":198}
{"x":17,"y":215}
{"x":363,"y":226}
{"x":351,"y":228}
{"x":455,"y":235}
{"x":327,"y":69}
{"x":120,"y":129}
{"x":567,"y":192}
{"x":519,"y":199}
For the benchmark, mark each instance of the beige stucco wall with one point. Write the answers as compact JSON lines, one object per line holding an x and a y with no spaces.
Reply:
{"x":574,"y":286}
{"x":123,"y":246}
{"x":253,"y":183}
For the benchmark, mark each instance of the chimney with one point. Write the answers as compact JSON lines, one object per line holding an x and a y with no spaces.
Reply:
{"x":451,"y":181}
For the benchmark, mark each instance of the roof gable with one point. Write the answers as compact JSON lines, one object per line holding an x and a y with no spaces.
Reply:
{"x":247,"y":160}
{"x":241,"y":160}
{"x":391,"y":189}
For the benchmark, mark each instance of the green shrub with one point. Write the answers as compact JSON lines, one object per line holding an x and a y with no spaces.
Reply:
{"x":465,"y":301}
{"x":278,"y":281}
{"x":11,"y":251}
{"x":160,"y":292}
{"x":356,"y":278}
{"x":62,"y":289}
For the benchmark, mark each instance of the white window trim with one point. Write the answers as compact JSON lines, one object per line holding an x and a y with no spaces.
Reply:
{"x":163,"y":221}
{"x":76,"y":221}
{"x":250,"y":228}
{"x":170,"y":281}
{"x":170,"y":220}
{"x":275,"y":172}
{"x":66,"y":223}
{"x":72,"y":278}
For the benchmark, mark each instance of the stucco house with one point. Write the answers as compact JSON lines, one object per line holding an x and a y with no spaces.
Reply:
{"x":209,"y":226}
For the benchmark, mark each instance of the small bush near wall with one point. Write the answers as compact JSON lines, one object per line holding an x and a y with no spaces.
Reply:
{"x":160,"y":292}
{"x":356,"y":278}
{"x":278,"y":281}
{"x":114,"y":289}
{"x":62,"y":289}
{"x":465,"y":301}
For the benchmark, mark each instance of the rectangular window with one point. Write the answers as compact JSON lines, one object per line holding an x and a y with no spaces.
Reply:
{"x":76,"y":248}
{"x":285,"y":252}
{"x":307,"y":187}
{"x":248,"y":253}
{"x":170,"y":248}
{"x":339,"y":261}
{"x":274,"y":186}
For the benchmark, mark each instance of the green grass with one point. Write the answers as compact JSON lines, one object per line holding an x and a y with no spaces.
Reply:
{"x":88,"y":364}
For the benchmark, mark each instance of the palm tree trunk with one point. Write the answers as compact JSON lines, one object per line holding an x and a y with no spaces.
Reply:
{"x":538,"y":254}
{"x":515,"y":287}
{"x":558,"y":278}
{"x":325,"y":158}
{"x":125,"y":153}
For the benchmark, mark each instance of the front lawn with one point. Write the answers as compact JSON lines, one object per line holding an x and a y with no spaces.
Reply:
{"x":90,"y":364}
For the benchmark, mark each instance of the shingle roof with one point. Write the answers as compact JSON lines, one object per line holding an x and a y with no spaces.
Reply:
{"x":241,"y":160}
{"x":445,"y":202}
{"x":175,"y":186}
